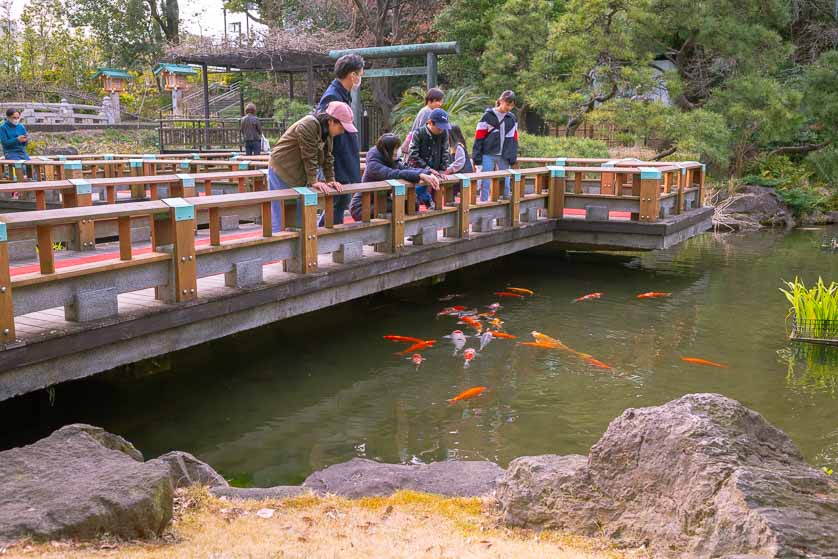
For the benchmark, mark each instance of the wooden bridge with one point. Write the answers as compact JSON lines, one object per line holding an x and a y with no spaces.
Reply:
{"x":163,"y":262}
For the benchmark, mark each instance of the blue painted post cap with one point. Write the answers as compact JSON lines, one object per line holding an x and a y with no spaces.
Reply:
{"x":398,"y":187}
{"x":149,"y":156}
{"x":309,"y":195}
{"x":196,"y":156}
{"x":107,"y":156}
{"x":18,"y":164}
{"x":4,"y":235}
{"x":516,"y":175}
{"x":184,"y":164}
{"x":72,"y":165}
{"x":561,"y":162}
{"x":187,"y":180}
{"x":556,"y":172}
{"x":244,"y":165}
{"x":82,"y":186}
{"x":650,"y":173}
{"x":135,"y":163}
{"x":183,"y":210}
{"x":62,"y":157}
{"x":466,"y":180}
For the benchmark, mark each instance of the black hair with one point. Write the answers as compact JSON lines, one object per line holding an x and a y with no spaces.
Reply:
{"x":347,"y":64}
{"x":434,"y":94}
{"x":323,"y":118}
{"x":10,"y":111}
{"x":508,"y":96}
{"x":387,"y":145}
{"x":455,"y":136}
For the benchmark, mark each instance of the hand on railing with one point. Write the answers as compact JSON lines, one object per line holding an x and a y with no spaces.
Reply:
{"x":429,"y":180}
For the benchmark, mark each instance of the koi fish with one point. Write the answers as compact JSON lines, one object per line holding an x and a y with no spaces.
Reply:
{"x":407,"y":339}
{"x":468,"y":394}
{"x":488,"y":314}
{"x":521,"y":290}
{"x":468,"y":356}
{"x":485,"y":339}
{"x":589,"y":359}
{"x":417,"y":360}
{"x":473,"y":322}
{"x":503,"y":335}
{"x":497,"y":323}
{"x":493,"y":307}
{"x":545,"y":339}
{"x":458,"y":339}
{"x":541,"y":345}
{"x":418,"y":347}
{"x":588,"y":297}
{"x":450,"y":310}
{"x":698,"y":361}
{"x":508,"y":294}
{"x":653,"y":295}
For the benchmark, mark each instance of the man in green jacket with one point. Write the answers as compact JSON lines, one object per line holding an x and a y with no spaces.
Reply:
{"x":304,"y":148}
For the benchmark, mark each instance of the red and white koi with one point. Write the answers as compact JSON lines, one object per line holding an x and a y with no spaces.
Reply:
{"x":588,"y":297}
{"x":508,"y":294}
{"x":458,"y":339}
{"x":468,"y":356}
{"x":417,"y":359}
{"x":653,"y":295}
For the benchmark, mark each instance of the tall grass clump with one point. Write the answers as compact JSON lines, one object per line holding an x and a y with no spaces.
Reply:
{"x":815,"y":310}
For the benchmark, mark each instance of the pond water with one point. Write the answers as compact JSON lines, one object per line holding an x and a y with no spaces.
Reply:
{"x":270,"y":406}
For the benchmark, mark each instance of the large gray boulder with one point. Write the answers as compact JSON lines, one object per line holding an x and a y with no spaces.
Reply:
{"x":762,"y":204}
{"x":364,"y":478}
{"x":186,"y":470}
{"x":701,"y":476}
{"x":81,"y":482}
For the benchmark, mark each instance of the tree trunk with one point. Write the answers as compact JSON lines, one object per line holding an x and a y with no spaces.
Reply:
{"x":384,"y":99}
{"x":521,"y":115}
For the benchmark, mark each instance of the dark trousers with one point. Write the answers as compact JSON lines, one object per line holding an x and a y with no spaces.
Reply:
{"x":253,"y":147}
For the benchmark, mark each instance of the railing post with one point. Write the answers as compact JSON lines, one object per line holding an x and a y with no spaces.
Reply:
{"x":607,"y":181}
{"x":397,"y":220}
{"x":137,"y":190}
{"x":515,"y":200}
{"x":85,"y":238}
{"x":650,"y":183}
{"x":183,"y":189}
{"x":306,"y":261}
{"x":701,"y":173}
{"x":184,"y":280}
{"x":463,"y":218}
{"x":7,"y":312}
{"x":680,"y":200}
{"x":555,"y":192}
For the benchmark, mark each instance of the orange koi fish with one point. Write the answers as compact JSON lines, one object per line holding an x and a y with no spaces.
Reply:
{"x":653,"y":295}
{"x":502,"y":335}
{"x":698,"y":361}
{"x":545,"y":339}
{"x":541,"y":345}
{"x":473,"y":322}
{"x":589,"y":359}
{"x":521,"y":290}
{"x":497,"y":323}
{"x":418,"y":347}
{"x":417,"y":359}
{"x":588,"y":297}
{"x":468,"y":394}
{"x":508,"y":294}
{"x":408,"y":339}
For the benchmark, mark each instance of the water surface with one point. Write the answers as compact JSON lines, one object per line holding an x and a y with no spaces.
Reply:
{"x":269,"y":406}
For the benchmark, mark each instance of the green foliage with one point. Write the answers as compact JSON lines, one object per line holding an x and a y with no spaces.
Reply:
{"x":802,"y":200}
{"x":824,"y":163}
{"x":290,"y":111}
{"x":820,"y":95}
{"x":531,"y":145}
{"x":468,"y":22}
{"x":459,"y":103}
{"x":819,"y":303}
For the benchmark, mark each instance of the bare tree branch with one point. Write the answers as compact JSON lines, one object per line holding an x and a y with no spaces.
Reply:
{"x":801,"y":149}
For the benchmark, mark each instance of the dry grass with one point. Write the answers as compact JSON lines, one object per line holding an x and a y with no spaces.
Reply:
{"x":407,"y":524}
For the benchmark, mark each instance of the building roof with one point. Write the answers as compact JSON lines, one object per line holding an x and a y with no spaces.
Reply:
{"x":175,"y":69}
{"x":112,"y":73}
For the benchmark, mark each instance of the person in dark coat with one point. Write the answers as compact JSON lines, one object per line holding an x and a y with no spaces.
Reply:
{"x":382,"y":165}
{"x":349,"y":70}
{"x":251,"y":130}
{"x":429,"y":150}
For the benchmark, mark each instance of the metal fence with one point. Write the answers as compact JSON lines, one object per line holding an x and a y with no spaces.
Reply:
{"x":198,"y":134}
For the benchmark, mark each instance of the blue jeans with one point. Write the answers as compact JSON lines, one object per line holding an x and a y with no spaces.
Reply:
{"x":253,"y":147}
{"x":276,"y":183}
{"x":493,"y":163}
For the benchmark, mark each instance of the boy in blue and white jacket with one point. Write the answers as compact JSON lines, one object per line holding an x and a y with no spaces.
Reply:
{"x":496,"y":141}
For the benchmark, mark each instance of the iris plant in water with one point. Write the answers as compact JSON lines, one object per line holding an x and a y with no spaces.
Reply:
{"x":815,"y":310}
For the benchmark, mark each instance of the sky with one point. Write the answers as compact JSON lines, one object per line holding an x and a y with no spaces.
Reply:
{"x":197,"y":16}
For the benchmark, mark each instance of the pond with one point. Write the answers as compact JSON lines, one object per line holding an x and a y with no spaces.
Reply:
{"x":270,"y":406}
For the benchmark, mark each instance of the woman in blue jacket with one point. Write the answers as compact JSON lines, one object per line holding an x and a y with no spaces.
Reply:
{"x":13,"y":136}
{"x":382,"y":164}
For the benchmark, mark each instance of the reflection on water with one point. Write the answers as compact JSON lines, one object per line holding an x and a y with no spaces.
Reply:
{"x":270,"y":406}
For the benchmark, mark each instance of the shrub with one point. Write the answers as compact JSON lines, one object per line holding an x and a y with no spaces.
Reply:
{"x":292,"y":111}
{"x":531,"y":145}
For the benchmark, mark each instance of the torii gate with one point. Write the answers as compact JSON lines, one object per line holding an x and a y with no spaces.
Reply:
{"x":430,"y":50}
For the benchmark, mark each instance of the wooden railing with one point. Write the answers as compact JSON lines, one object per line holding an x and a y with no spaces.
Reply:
{"x":89,"y":291}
